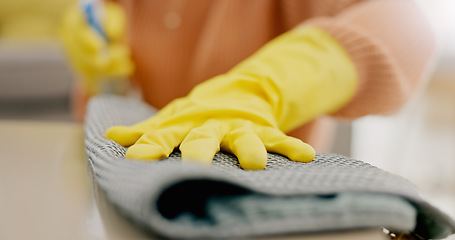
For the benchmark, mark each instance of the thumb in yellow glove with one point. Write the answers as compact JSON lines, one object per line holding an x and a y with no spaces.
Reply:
{"x":291,"y":80}
{"x":93,"y":56}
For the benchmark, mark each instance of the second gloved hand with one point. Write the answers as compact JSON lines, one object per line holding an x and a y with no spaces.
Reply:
{"x":93,"y":56}
{"x":290,"y":81}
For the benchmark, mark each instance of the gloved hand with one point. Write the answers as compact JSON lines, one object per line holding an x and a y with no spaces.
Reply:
{"x":96,"y":57}
{"x":291,"y":80}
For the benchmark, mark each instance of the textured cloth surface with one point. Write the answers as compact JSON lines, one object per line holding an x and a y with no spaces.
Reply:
{"x":192,"y":201}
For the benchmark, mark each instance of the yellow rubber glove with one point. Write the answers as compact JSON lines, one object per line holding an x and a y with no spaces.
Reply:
{"x":94,"y":57}
{"x":291,"y":80}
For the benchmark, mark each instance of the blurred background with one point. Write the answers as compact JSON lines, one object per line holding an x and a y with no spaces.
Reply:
{"x":35,"y":79}
{"x":418,"y":143}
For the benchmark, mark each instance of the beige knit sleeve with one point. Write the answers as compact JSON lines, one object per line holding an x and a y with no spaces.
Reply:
{"x":391,"y":43}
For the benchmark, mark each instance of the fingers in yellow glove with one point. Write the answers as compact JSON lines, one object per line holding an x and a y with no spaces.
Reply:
{"x":295,"y":149}
{"x":234,"y":136}
{"x":202,"y":143}
{"x":242,"y":138}
{"x":124,"y":135}
{"x":128,"y":135}
{"x":157,"y":143}
{"x":247,"y":146}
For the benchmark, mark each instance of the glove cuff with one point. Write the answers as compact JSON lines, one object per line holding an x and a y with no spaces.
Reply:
{"x":305,"y":72}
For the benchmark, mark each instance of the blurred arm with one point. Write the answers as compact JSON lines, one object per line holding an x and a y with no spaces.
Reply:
{"x":391,"y":44}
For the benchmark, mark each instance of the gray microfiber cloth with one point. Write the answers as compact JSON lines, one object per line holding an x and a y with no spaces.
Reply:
{"x":175,"y":200}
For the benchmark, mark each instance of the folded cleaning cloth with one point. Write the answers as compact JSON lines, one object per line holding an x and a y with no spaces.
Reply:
{"x":178,"y":200}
